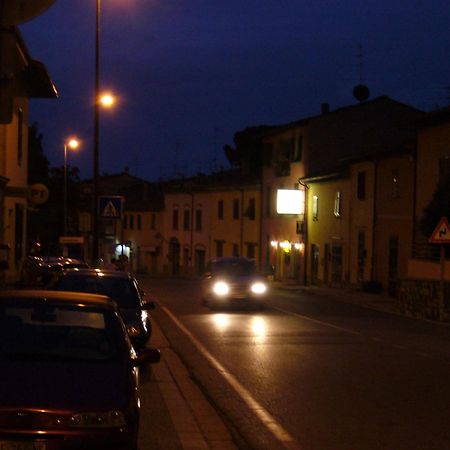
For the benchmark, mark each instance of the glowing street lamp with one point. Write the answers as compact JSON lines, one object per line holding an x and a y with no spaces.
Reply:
{"x":107,"y":100}
{"x":71,"y":144}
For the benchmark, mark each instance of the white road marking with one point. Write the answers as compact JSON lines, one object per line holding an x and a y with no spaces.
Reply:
{"x":265,"y":417}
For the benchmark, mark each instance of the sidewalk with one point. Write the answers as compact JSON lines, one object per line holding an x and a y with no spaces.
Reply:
{"x":174,"y":412}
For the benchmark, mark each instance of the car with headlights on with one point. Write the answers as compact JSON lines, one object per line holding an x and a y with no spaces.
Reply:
{"x":69,"y":373}
{"x":122,"y":287}
{"x":229,"y":281}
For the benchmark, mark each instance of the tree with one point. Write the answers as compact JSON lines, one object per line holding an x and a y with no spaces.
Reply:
{"x":45,"y":222}
{"x":38,"y":165}
{"x":438,"y":207}
{"x":248,"y":153}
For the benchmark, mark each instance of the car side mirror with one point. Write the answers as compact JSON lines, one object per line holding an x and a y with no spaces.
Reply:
{"x":147,"y":355}
{"x":148,"y":305}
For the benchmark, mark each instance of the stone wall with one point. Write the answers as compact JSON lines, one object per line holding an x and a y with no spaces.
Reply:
{"x":420,"y":298}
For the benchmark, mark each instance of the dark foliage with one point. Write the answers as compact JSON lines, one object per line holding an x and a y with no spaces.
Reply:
{"x":438,"y":207}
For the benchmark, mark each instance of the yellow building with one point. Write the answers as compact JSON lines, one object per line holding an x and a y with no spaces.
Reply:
{"x":30,"y":80}
{"x":208,"y":217}
{"x":235,"y":221}
{"x":283,"y":238}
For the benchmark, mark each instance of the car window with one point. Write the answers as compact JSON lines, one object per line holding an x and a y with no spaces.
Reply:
{"x":121,"y":290}
{"x":59,"y":333}
{"x":235,"y":268}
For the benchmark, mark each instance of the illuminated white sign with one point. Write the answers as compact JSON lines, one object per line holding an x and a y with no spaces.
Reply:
{"x":290,"y":201}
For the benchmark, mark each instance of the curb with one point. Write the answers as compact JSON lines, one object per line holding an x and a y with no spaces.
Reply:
{"x":195,"y":420}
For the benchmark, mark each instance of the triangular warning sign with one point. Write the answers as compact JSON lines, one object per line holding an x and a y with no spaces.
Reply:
{"x":441,"y":234}
{"x":110,"y":210}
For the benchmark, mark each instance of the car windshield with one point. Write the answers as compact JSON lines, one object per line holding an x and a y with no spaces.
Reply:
{"x":121,"y":290}
{"x":63,"y":333}
{"x":234,"y":268}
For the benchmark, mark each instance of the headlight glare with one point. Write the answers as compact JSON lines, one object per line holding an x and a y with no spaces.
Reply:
{"x":258,"y":288}
{"x":221,"y":288}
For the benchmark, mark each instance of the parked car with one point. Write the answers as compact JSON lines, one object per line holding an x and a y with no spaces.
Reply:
{"x":233,"y":281}
{"x":69,"y":373}
{"x":39,"y":271}
{"x":122,"y":287}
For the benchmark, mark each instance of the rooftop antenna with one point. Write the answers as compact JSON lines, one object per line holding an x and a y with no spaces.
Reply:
{"x":361,"y":91}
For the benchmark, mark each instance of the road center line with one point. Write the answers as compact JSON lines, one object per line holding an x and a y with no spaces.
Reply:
{"x":326,"y":324}
{"x":268,"y":420}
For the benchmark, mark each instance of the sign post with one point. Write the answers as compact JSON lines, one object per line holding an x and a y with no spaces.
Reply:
{"x":441,"y":235}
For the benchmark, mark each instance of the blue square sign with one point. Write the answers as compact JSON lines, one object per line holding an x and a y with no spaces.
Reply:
{"x":111,"y":207}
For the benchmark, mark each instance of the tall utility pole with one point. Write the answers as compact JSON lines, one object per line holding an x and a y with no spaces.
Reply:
{"x":95,"y":218}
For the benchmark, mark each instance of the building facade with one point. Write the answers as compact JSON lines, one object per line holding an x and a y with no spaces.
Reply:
{"x":29,"y":79}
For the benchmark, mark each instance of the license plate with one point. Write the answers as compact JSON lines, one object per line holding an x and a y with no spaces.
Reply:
{"x":22,"y":445}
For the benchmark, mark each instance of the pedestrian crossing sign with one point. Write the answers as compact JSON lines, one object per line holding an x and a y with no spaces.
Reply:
{"x":111,"y":207}
{"x":441,"y":234}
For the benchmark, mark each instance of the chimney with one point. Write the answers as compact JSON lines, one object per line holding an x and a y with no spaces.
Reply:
{"x":325,"y":108}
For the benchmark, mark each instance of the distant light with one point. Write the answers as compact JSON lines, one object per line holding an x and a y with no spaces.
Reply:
{"x":274,"y":244}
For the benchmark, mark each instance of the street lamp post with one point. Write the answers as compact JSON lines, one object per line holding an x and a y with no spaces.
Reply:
{"x":71,"y":144}
{"x":95,"y":218}
{"x":105,"y":101}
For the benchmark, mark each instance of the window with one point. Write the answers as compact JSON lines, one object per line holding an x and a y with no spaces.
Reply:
{"x":251,"y":250}
{"x":139,"y":222}
{"x":236,"y":250}
{"x":236,"y":209}
{"x":337,"y":204}
{"x":220,"y":210}
{"x":267,"y":153}
{"x":125,"y":221}
{"x":268,"y":201}
{"x":315,"y":208}
{"x":219,"y":249}
{"x":297,"y":149}
{"x":131,"y":222}
{"x":361,"y":186}
{"x":153,"y":221}
{"x":198,"y":220}
{"x":395,"y":185}
{"x":19,"y":136}
{"x":186,"y":219}
{"x":251,"y":209}
{"x":175,"y":219}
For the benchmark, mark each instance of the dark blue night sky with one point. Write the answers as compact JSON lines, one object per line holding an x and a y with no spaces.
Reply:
{"x":190,"y":73}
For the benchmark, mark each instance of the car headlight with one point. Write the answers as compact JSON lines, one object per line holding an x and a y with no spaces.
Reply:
{"x":221,"y":288}
{"x":108,"y":419}
{"x":258,"y":288}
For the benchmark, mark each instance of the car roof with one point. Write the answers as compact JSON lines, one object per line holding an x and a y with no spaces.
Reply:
{"x":231,"y":260}
{"x":61,"y":297}
{"x":97,"y":272}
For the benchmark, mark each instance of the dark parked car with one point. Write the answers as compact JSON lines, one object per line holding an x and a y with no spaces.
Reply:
{"x":121,"y":287}
{"x":69,"y":373}
{"x":39,"y":271}
{"x":233,"y":281}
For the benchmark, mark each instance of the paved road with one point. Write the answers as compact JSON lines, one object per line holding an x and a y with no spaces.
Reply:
{"x":312,"y":373}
